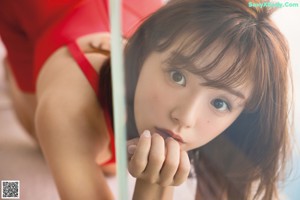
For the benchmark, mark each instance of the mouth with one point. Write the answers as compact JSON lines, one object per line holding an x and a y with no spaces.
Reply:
{"x":167,"y":133}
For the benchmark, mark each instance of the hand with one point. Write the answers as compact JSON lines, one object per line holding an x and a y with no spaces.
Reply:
{"x":155,"y":160}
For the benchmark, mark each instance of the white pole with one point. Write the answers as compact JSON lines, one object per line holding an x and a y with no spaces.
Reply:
{"x":119,"y":103}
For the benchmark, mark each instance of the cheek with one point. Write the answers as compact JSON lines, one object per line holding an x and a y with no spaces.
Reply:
{"x":212,"y":128}
{"x":148,"y":101}
{"x":156,"y":101}
{"x":157,"y":96}
{"x":147,"y":96}
{"x":220,"y":125}
{"x":153,"y":92}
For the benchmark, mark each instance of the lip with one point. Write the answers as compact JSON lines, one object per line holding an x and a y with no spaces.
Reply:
{"x":167,"y":133}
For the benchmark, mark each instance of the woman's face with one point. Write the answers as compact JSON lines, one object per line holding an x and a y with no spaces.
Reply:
{"x":175,"y":103}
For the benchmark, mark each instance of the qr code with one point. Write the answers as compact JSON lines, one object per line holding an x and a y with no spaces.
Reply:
{"x":10,"y":189}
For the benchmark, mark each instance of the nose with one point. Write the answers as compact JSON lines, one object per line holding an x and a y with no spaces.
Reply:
{"x":186,"y":112}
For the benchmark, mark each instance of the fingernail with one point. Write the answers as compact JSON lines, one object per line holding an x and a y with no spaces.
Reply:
{"x":146,"y":133}
{"x":131,"y":149}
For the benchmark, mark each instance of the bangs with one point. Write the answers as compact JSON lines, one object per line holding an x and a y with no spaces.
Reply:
{"x":227,"y":48}
{"x":223,"y":62}
{"x":220,"y":65}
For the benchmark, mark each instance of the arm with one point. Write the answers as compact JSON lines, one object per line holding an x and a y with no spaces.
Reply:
{"x":158,"y":165}
{"x":71,"y":129}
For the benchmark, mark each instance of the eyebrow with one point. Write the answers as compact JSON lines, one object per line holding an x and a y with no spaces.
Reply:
{"x":228,"y":89}
{"x":178,"y":58}
{"x":234,"y":92}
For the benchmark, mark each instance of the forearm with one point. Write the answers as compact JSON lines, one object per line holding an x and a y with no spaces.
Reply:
{"x":147,"y":191}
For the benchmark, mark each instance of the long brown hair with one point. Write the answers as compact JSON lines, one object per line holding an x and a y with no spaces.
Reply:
{"x":253,"y":149}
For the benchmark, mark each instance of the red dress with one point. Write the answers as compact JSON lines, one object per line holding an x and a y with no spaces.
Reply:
{"x":32,"y":30}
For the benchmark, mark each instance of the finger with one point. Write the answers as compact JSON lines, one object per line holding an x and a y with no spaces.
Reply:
{"x":133,"y":141}
{"x":130,"y":151}
{"x":183,"y":169}
{"x":131,"y":147}
{"x":171,"y":163}
{"x":156,"y":159}
{"x":139,"y":160}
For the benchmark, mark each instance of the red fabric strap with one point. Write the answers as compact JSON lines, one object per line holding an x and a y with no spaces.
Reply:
{"x":93,"y":78}
{"x":86,"y":67}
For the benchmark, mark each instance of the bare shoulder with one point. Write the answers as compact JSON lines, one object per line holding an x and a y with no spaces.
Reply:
{"x":62,"y":81}
{"x":61,"y":66}
{"x":61,"y":69}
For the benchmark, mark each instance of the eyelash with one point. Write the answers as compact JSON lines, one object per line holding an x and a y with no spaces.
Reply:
{"x":171,"y":72}
{"x":228,"y":105}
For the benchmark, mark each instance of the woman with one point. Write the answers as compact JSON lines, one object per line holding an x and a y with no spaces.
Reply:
{"x":53,"y":66}
{"x":210,"y":78}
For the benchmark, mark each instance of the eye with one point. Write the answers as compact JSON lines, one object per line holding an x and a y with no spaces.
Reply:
{"x":178,"y":77}
{"x":221,"y":105}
